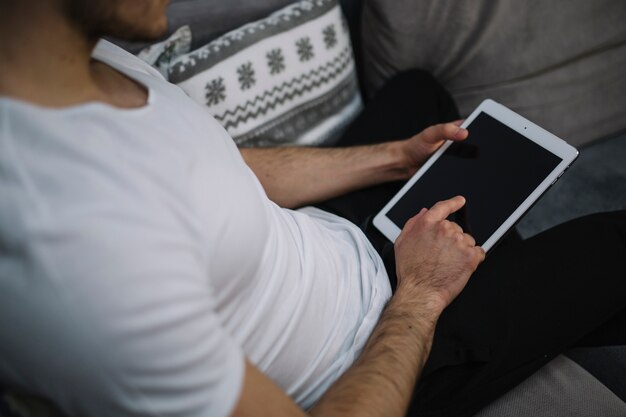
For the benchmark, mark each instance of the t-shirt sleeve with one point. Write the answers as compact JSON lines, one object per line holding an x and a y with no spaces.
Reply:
{"x":124,"y":323}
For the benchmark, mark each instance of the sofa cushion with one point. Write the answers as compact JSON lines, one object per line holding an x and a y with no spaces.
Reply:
{"x":596,"y":182}
{"x":559,"y":63}
{"x":605,"y":363}
{"x":286,"y":79}
{"x":559,"y":389}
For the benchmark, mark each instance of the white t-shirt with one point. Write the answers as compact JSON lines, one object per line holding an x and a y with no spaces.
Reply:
{"x":141,"y":261}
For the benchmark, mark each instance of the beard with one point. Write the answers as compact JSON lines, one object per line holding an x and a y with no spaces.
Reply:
{"x":129,"y":20}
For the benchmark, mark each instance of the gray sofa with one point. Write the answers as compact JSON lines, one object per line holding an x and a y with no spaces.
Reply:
{"x":457,"y":41}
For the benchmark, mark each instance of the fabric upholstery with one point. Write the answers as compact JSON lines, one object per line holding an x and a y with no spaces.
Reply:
{"x":606,"y":363}
{"x":596,"y":182}
{"x":558,"y":63}
{"x":560,"y":388}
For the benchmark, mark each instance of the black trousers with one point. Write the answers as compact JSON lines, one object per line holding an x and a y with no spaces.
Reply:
{"x":529,"y":301}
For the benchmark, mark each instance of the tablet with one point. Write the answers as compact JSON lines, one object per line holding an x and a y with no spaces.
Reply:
{"x":502,"y":168}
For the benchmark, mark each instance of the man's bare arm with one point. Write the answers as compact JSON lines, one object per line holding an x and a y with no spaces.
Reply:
{"x":294,"y":177}
{"x":379,"y":384}
{"x":435,"y":259}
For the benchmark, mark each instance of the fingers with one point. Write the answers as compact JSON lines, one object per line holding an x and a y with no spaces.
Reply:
{"x":478,"y":255}
{"x":469,"y":239}
{"x":462,"y":237}
{"x":439,"y":213}
{"x":482,"y":254}
{"x":454,"y":226}
{"x":445,"y":131}
{"x":443,"y":209}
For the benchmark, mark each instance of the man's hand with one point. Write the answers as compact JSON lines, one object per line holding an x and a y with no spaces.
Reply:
{"x":434,"y":256}
{"x":420,"y":147}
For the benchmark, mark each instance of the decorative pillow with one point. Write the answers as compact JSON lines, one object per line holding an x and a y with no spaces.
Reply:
{"x":559,"y":63}
{"x":160,"y":55}
{"x":286,"y":79}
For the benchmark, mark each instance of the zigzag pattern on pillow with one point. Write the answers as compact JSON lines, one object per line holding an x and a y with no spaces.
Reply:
{"x":286,"y":91}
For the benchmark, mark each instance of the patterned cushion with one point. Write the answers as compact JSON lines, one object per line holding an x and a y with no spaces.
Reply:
{"x":160,"y":55}
{"x":286,"y":79}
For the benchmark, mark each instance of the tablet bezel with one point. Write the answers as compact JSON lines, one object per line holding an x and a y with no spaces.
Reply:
{"x":522,"y":126}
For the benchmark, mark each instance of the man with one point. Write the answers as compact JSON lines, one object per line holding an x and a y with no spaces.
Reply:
{"x":147,"y":270}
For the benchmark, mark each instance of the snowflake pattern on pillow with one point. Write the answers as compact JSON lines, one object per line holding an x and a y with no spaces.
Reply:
{"x":288,"y":79}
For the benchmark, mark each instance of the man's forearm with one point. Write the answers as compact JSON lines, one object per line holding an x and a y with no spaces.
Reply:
{"x":294,"y":177}
{"x":381,"y":382}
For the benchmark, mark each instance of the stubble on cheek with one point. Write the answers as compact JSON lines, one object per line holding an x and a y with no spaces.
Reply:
{"x":130,"y":20}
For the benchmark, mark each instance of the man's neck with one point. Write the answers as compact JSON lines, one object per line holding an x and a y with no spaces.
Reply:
{"x":47,"y":62}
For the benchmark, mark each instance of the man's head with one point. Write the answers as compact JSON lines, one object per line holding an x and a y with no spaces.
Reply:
{"x":123,"y":19}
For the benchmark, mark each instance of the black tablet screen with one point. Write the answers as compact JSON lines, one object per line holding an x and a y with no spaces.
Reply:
{"x":495,"y":169}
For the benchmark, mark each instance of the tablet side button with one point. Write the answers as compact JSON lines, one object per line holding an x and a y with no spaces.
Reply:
{"x":557,"y":178}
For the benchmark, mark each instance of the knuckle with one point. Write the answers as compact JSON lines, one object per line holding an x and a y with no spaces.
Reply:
{"x":436,"y":128}
{"x":442,"y":229}
{"x":429,"y":218}
{"x":471,"y":257}
{"x":453,"y":231}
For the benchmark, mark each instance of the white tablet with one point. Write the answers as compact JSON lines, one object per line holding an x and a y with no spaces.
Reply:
{"x":502,"y":168}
